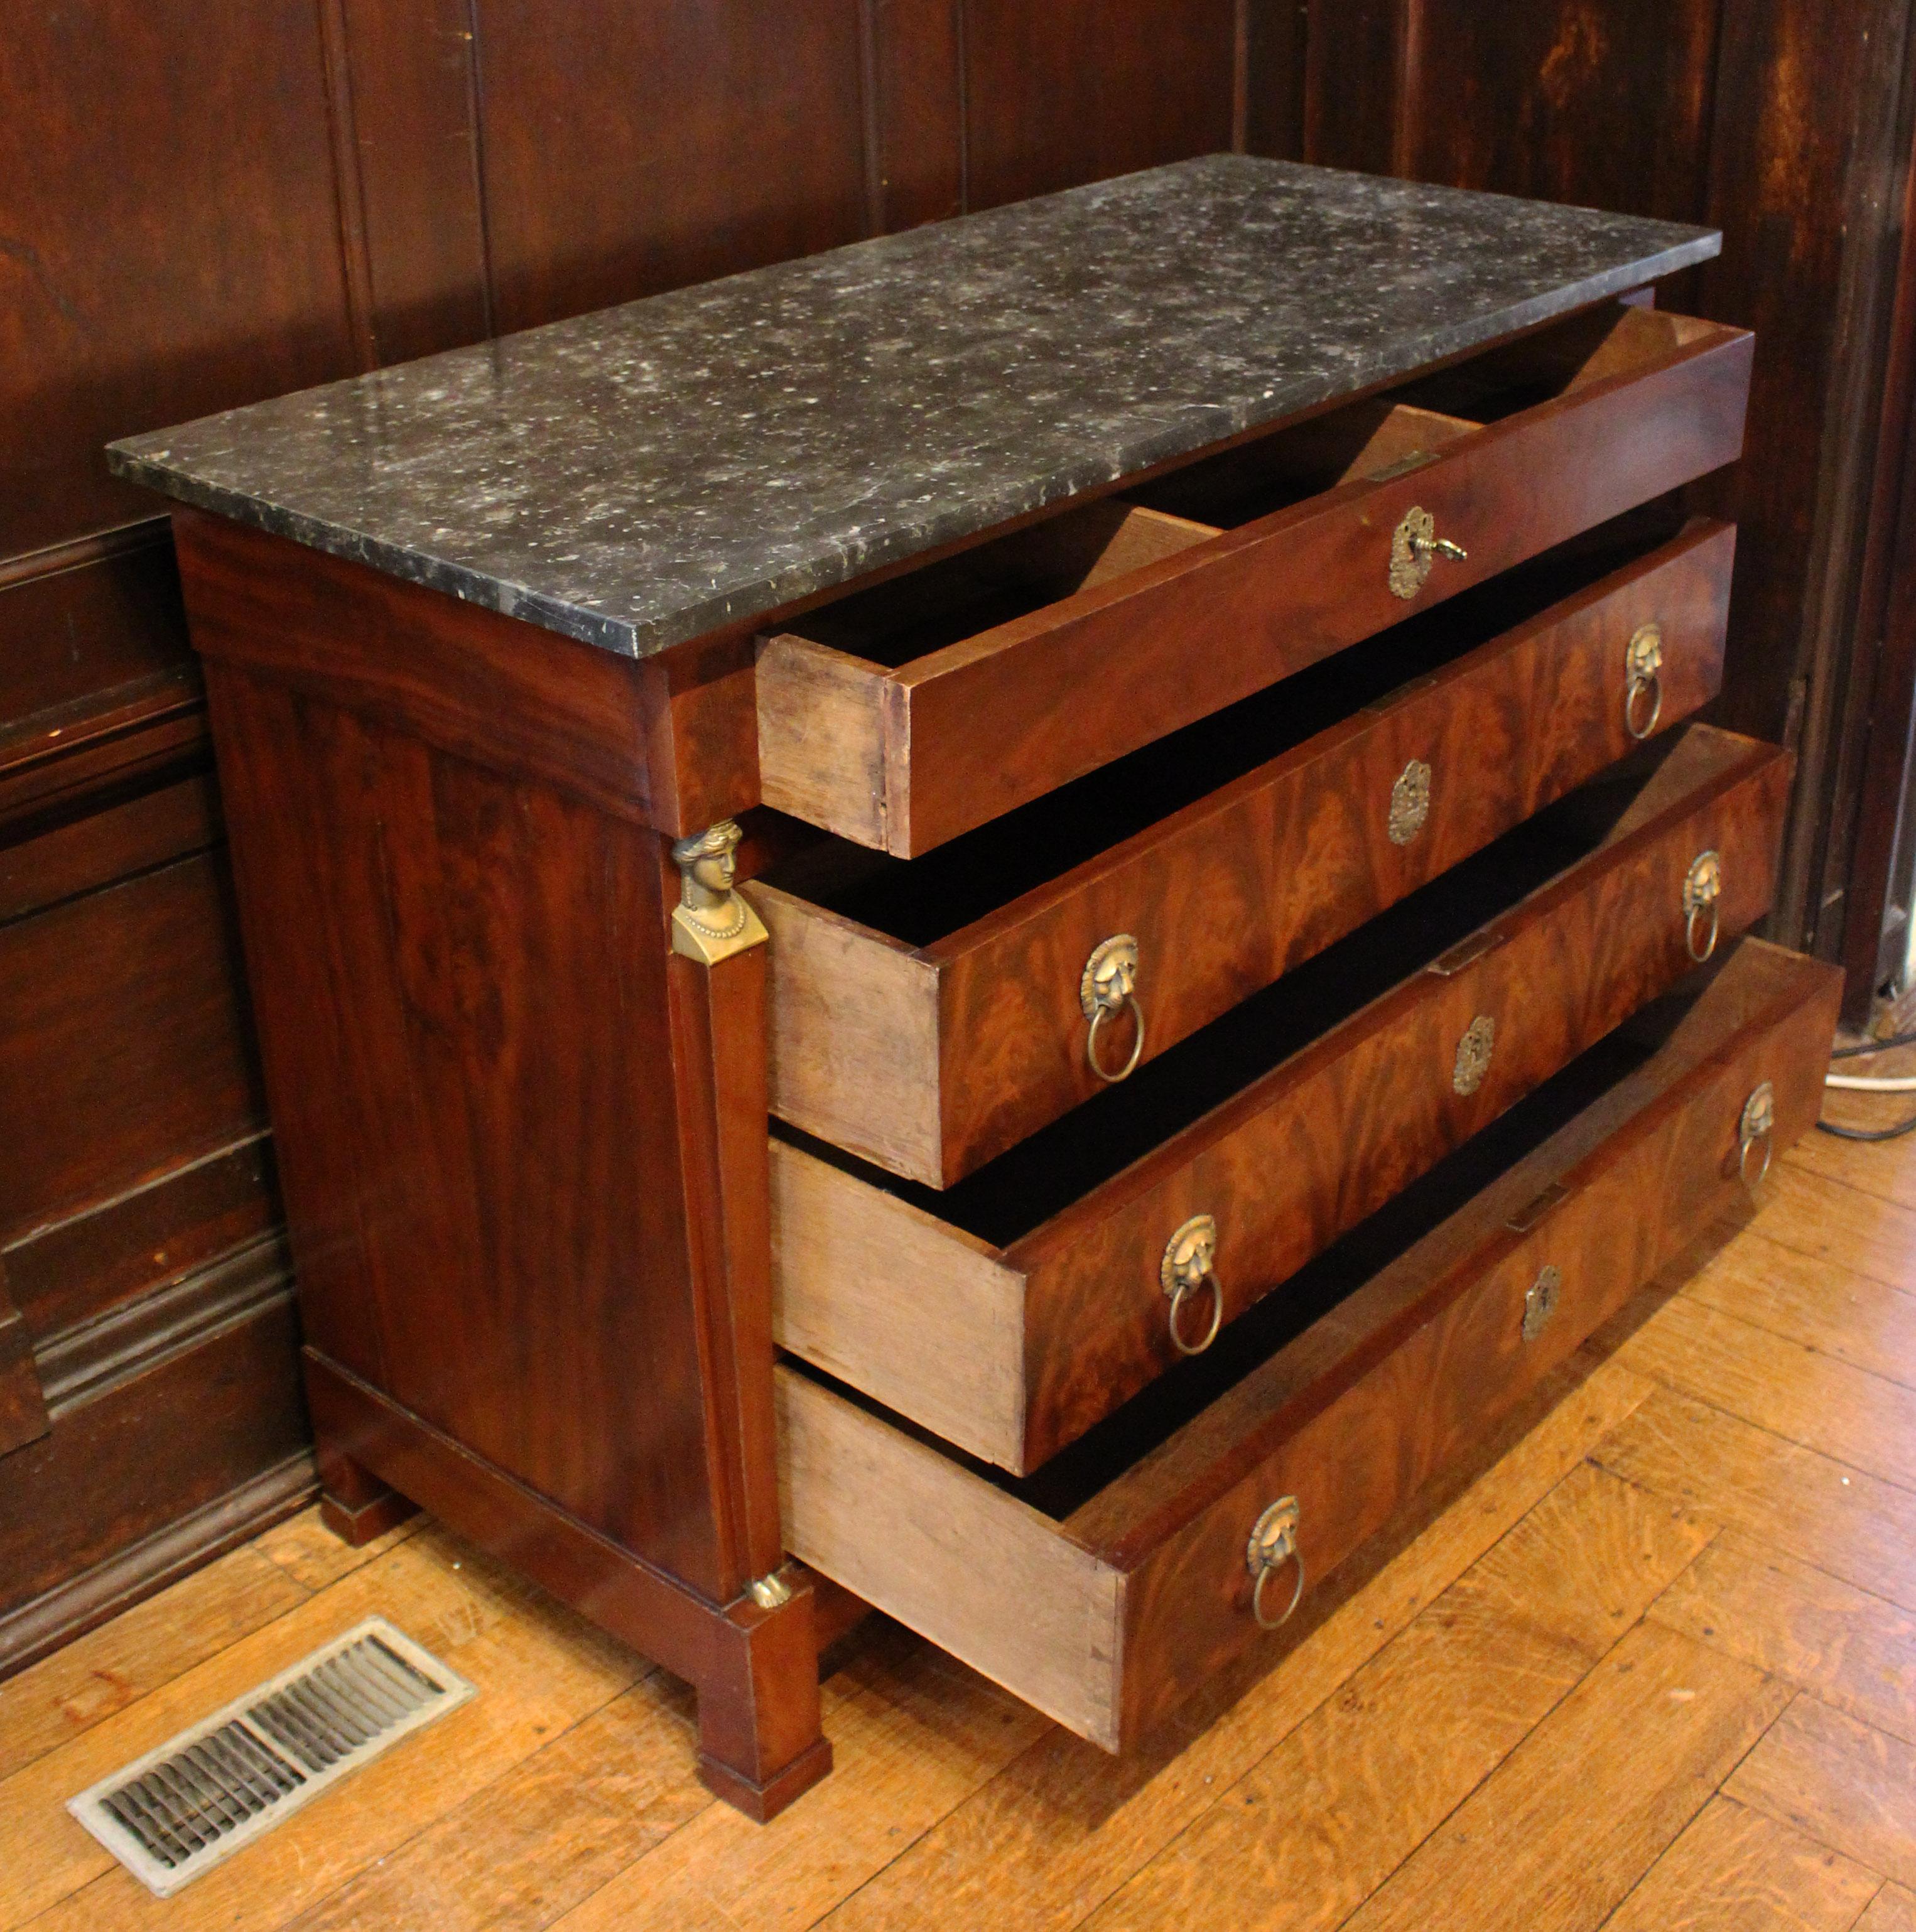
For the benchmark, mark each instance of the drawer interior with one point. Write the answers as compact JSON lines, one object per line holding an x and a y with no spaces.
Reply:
{"x":1258,"y":479}
{"x":893,"y":624}
{"x":1009,"y":1197}
{"x":1715,"y":1002}
{"x":920,"y":901}
{"x":1010,"y":577}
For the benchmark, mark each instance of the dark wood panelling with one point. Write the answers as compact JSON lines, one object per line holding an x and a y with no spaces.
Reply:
{"x":148,"y":1450}
{"x":22,"y":1401}
{"x":1855,"y":655}
{"x":86,"y":620}
{"x":127,"y":829}
{"x":66,"y":1273}
{"x":915,"y":110}
{"x":1872,"y":866}
{"x":1077,"y":90}
{"x":169,"y":238}
{"x":630,"y":149}
{"x":1353,"y":52}
{"x":126,"y":1044}
{"x":409,"y":111}
{"x":1792,"y":81}
{"x":149,"y":1562}
{"x":1605,"y":103}
{"x":1274,"y":49}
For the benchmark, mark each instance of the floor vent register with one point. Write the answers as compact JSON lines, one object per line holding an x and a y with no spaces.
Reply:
{"x":176,"y":1812}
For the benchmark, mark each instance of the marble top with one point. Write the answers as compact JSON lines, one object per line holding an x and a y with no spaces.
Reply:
{"x":642,"y":474}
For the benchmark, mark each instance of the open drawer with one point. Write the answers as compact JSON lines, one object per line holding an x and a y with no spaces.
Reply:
{"x":1011,"y":1313}
{"x":907,"y":713}
{"x":1108,"y":1588}
{"x":928,"y":1014}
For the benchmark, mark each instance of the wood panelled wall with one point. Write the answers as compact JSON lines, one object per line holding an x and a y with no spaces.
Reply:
{"x":206,"y":202}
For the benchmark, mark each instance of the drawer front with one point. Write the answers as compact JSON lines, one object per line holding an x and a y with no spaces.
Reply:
{"x":1068,"y":1321}
{"x":905,"y":759}
{"x":931,"y":1061}
{"x":1108,"y":1614}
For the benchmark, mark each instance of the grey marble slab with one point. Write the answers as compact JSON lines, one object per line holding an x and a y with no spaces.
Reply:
{"x":639,"y":476}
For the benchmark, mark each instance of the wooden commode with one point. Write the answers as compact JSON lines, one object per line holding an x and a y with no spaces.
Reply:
{"x":1020,"y":917}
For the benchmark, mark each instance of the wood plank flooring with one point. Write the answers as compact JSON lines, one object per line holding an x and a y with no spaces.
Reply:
{"x":1648,"y":1663}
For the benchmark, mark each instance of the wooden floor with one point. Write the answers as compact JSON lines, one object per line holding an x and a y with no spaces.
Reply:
{"x":1652,"y":1664}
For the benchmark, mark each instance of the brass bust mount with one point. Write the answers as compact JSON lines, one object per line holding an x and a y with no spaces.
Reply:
{"x":712,"y":920}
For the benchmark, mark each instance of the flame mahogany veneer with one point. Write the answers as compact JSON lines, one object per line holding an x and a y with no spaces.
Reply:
{"x":545,"y":1243}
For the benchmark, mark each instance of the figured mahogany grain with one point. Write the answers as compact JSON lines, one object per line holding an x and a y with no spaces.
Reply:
{"x":933,"y":1060}
{"x":669,"y":741}
{"x":461,"y":983}
{"x":1110,"y":1616}
{"x":1300,"y":1154}
{"x":974,"y":729}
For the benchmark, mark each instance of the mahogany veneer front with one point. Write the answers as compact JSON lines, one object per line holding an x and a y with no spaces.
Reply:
{"x":1108,"y":1589}
{"x":524,"y":1144}
{"x":904,"y":749}
{"x":1012,"y":1330}
{"x":930,"y":1059}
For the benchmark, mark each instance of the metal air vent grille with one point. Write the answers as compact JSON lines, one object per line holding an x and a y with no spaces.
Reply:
{"x":172,"y":1814}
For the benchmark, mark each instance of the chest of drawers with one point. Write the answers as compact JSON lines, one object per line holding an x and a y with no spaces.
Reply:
{"x":1017,"y":918}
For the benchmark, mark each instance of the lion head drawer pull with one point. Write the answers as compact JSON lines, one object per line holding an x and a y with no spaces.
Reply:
{"x":1274,"y":1543}
{"x":1643,"y":680}
{"x":1415,"y":546}
{"x":1703,"y":910}
{"x":1108,"y":986}
{"x":1186,"y":1271}
{"x":1757,"y":1128}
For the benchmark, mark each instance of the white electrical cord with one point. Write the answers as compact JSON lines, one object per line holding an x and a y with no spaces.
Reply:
{"x":1856,"y":1083}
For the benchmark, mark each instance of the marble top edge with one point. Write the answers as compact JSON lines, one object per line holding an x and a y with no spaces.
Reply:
{"x":643,"y":475}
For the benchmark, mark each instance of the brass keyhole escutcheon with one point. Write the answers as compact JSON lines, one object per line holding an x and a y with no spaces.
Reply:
{"x":1415,"y":546}
{"x":1474,"y":1054}
{"x":1108,"y":985}
{"x":1703,"y":911}
{"x":1186,"y":1271}
{"x":1643,"y":680}
{"x":1410,"y":802}
{"x":1755,"y":1128}
{"x":1540,"y":1303}
{"x":1273,"y":1543}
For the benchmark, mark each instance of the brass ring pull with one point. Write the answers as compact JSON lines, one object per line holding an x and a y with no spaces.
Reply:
{"x":1184,"y":1271}
{"x":1274,"y":1543}
{"x":1108,"y":985}
{"x":1757,"y":1128}
{"x":1643,"y":670}
{"x":1703,"y":891}
{"x":1136,"y":1054}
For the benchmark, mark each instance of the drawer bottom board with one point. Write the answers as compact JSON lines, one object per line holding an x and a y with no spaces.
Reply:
{"x":1107,"y":1587}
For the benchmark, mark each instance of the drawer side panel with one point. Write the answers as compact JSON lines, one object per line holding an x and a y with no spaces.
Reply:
{"x":913,"y":1312}
{"x":980,"y":1573}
